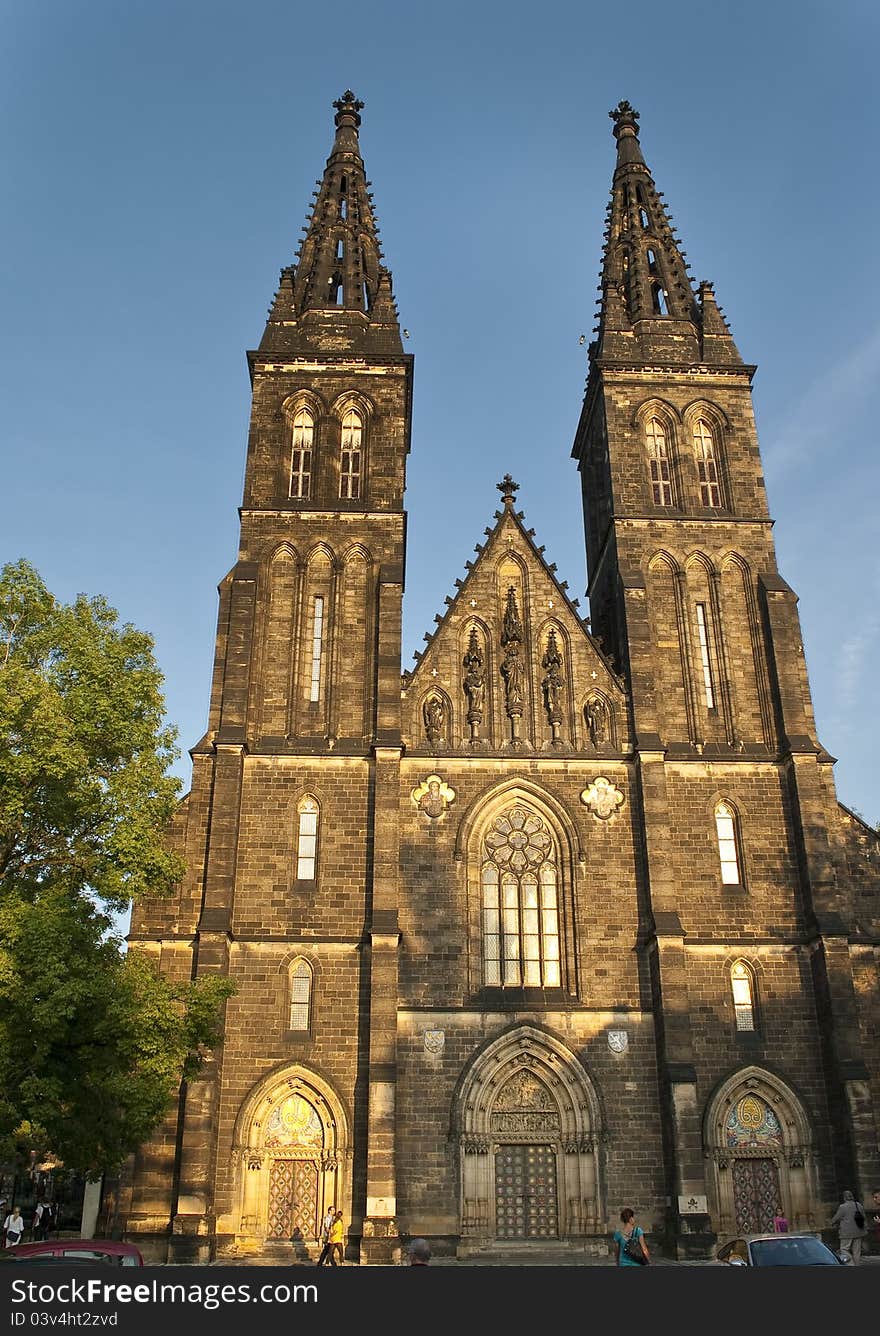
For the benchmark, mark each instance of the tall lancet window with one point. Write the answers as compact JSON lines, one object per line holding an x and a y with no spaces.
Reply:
{"x":707,"y":464}
{"x":306,"y":839}
{"x":317,"y":648}
{"x":303,"y":436}
{"x":300,"y":995}
{"x":520,"y":893}
{"x":743,"y":990}
{"x":658,"y":460}
{"x":350,"y":463}
{"x":727,"y":832}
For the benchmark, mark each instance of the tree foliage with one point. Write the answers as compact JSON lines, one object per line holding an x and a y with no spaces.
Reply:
{"x":93,"y":1042}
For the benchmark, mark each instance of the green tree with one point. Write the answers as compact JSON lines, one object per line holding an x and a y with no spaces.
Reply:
{"x":93,"y":1042}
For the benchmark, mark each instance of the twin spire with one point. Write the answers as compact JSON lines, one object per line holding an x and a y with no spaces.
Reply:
{"x":648,"y":308}
{"x":340,"y":290}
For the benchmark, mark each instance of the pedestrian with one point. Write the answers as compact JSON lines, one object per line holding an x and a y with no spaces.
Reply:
{"x":419,"y":1252}
{"x":780,"y":1223}
{"x":13,"y":1227}
{"x":850,"y":1220}
{"x":630,"y":1240}
{"x":873,"y":1223}
{"x":42,"y":1219}
{"x":337,"y":1236}
{"x":327,"y":1248}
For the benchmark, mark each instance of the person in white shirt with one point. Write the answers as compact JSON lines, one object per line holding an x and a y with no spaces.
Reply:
{"x":13,"y":1227}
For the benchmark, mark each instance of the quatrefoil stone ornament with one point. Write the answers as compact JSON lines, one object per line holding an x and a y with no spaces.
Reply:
{"x":602,"y":797}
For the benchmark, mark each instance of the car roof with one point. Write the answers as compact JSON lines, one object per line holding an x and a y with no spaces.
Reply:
{"x":112,"y":1246}
{"x":758,"y":1238}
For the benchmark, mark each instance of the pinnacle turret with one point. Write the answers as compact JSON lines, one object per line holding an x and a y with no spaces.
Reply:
{"x":648,"y":305}
{"x":339,"y":285}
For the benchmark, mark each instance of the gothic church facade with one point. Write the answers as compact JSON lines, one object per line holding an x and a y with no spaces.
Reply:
{"x":563,"y":919}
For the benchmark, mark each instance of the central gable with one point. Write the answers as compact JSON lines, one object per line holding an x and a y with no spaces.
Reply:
{"x":511,"y":665}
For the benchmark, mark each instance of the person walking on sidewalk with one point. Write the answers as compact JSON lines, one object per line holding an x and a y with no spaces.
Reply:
{"x":337,"y":1236}
{"x":13,"y":1227}
{"x":850,"y":1220}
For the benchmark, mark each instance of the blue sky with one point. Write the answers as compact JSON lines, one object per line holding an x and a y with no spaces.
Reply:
{"x":159,"y":162}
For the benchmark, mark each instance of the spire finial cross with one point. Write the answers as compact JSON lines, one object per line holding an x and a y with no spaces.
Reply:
{"x":508,"y":489}
{"x":348,"y":108}
{"x":625,"y":115}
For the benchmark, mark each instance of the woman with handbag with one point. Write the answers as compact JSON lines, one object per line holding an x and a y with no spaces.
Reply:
{"x":632,"y":1250}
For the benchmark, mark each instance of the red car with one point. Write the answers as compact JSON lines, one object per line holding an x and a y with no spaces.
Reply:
{"x":109,"y":1252}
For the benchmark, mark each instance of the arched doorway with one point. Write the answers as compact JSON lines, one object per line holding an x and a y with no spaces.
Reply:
{"x":760,"y":1145}
{"x":527,"y":1125}
{"x":291,"y":1157}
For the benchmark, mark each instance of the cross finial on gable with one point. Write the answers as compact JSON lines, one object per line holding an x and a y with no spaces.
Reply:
{"x":508,"y":489}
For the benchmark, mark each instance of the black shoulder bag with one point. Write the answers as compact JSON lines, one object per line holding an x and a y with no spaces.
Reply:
{"x":633,"y":1249}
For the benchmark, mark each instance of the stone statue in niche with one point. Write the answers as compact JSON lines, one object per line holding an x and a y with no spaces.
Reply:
{"x":433,"y":713}
{"x":474,"y":681}
{"x":512,"y":672}
{"x":596,"y":716}
{"x":512,"y":667}
{"x":553,"y":683}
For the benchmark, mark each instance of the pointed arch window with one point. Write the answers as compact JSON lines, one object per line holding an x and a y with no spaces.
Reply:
{"x":743,"y":988}
{"x":303,"y":436}
{"x":658,"y":298}
{"x":306,"y":839}
{"x":352,"y":455}
{"x":520,"y":903}
{"x":729,"y":844}
{"x":300,"y":995}
{"x":707,"y":464}
{"x":705,"y":661}
{"x":658,"y":460}
{"x":317,"y":648}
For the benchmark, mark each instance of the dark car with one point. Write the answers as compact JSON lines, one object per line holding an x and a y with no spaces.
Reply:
{"x":108,"y":1252}
{"x":779,"y":1250}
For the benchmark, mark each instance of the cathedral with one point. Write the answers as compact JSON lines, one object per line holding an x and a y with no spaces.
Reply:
{"x":566,"y":918}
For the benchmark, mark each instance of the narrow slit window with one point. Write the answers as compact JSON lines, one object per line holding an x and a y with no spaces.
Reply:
{"x":703,"y":639}
{"x":301,"y":454}
{"x":643,"y":219}
{"x":707,"y":465}
{"x":300,"y":996}
{"x":317,"y":648}
{"x":652,"y":262}
{"x":658,"y":454}
{"x":343,"y":209}
{"x":339,"y":249}
{"x":350,"y":464}
{"x":728,"y":844}
{"x":743,"y":996}
{"x":307,"y":840}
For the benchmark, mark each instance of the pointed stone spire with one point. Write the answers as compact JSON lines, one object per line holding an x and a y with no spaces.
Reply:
{"x":648,"y":308}
{"x":339,"y":286}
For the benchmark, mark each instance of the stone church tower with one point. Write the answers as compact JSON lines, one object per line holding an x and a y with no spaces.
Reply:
{"x":559,"y":920}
